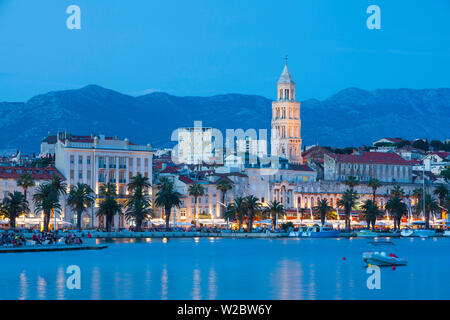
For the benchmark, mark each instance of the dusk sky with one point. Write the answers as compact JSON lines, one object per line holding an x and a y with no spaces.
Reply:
{"x":207,"y":47}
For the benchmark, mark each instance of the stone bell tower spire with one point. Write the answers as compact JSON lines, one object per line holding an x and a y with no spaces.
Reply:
{"x":286,"y":139}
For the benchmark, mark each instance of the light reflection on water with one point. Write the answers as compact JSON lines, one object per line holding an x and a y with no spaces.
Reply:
{"x":206,"y":268}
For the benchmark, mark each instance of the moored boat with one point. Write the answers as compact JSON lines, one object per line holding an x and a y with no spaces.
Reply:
{"x":315,"y":232}
{"x":421,"y":233}
{"x":383,"y":259}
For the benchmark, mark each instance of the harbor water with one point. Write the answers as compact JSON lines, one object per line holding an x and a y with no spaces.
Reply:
{"x":218,"y":268}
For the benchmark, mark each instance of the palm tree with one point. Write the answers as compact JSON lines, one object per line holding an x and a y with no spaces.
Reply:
{"x":441,"y":192}
{"x":108,"y":208}
{"x":431,"y":206}
{"x":14,"y":206}
{"x":398,"y":209}
{"x":46,"y":200}
{"x":371,"y":213}
{"x":196,"y":190}
{"x":397,"y":191}
{"x":348,"y":202}
{"x":138,"y":181}
{"x":236,"y":211}
{"x":253,"y":209}
{"x":25,"y":181}
{"x":224,"y":186}
{"x":167,"y":198}
{"x":302,"y":213}
{"x":80,"y":198}
{"x":374,"y":184}
{"x":138,"y":205}
{"x":108,"y":190}
{"x":59,"y":186}
{"x":323,"y":208}
{"x":351,"y":182}
{"x":275,"y":208}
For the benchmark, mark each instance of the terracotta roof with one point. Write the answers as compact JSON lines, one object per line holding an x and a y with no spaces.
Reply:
{"x":415,"y":162}
{"x":440,"y":154}
{"x":37,"y":173}
{"x":300,"y":167}
{"x":186,"y":179}
{"x":372,"y":157}
{"x":171,"y":169}
{"x":231,"y":174}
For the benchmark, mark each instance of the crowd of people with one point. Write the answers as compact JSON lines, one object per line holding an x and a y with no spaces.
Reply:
{"x":12,"y":238}
{"x":15,"y":238}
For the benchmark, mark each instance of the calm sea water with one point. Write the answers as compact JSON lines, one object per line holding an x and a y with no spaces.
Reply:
{"x":208,"y":268}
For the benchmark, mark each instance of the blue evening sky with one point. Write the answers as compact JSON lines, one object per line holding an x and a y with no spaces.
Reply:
{"x":206,"y":47}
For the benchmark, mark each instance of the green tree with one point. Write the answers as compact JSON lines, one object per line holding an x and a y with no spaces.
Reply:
{"x":13,"y":206}
{"x":253,"y":206}
{"x":224,"y":186}
{"x":351,"y":182}
{"x":196,"y":190}
{"x":167,"y":197}
{"x":25,"y":181}
{"x":138,"y":204}
{"x":138,"y":181}
{"x":441,"y":191}
{"x":398,"y":209}
{"x":421,"y":144}
{"x":371,"y":213}
{"x":431,"y":206}
{"x":446,"y":174}
{"x":80,"y":198}
{"x":109,"y":207}
{"x":348,"y":202}
{"x":397,"y":191}
{"x":236,"y":211}
{"x":46,"y":199}
{"x":374,"y":184}
{"x":323,"y":209}
{"x":274,"y":209}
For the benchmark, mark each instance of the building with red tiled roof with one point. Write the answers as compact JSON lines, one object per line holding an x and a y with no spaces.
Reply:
{"x":384,"y":166}
{"x":38,"y":174}
{"x":9,"y":176}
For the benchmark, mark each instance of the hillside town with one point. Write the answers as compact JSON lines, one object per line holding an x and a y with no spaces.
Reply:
{"x":100,"y":179}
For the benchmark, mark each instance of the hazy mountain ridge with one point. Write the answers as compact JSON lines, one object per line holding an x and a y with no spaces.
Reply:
{"x":350,"y":117}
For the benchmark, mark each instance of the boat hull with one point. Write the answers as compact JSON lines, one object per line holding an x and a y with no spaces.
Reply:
{"x":383,"y":260}
{"x":323,"y":234}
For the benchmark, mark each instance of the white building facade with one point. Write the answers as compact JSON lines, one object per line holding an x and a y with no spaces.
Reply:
{"x":96,"y":160}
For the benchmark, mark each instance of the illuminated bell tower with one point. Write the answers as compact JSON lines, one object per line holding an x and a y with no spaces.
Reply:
{"x":286,"y":140}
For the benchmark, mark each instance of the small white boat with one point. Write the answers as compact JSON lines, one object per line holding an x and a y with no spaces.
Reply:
{"x":366,"y":234}
{"x":406,"y":232}
{"x":315,"y":232}
{"x":424,"y":233}
{"x":383,"y":259}
{"x":447,"y":233}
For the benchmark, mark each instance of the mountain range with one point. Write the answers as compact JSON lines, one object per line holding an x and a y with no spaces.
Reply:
{"x":351,"y":117}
